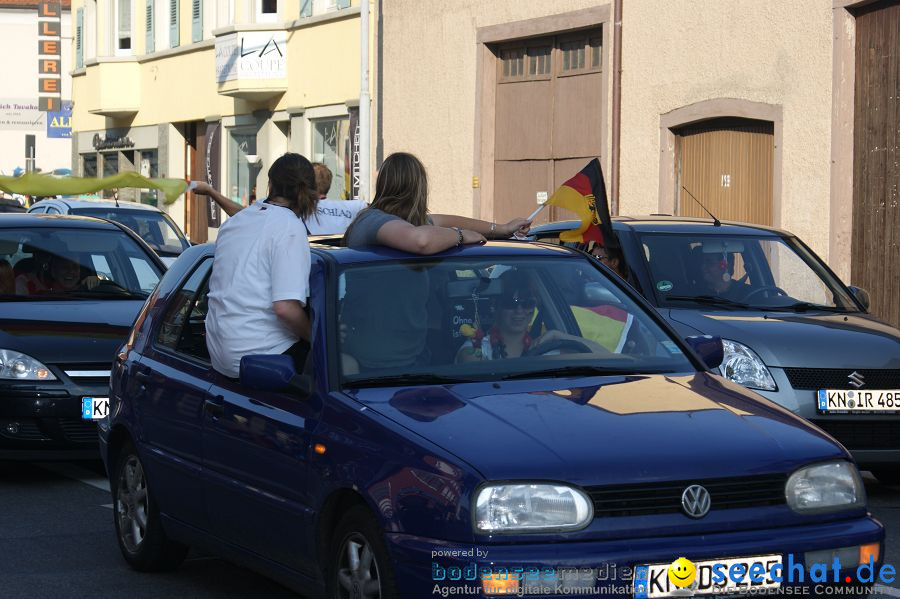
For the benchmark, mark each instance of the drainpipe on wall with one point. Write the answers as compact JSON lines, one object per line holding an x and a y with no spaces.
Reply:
{"x":365,"y":127}
{"x":616,"y":108}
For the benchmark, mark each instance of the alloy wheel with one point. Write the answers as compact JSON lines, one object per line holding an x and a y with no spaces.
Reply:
{"x":132,"y":504}
{"x":358,"y":576}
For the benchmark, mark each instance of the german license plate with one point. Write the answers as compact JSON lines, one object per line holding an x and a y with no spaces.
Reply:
{"x":837,"y":400}
{"x":652,"y":580}
{"x":94,"y":408}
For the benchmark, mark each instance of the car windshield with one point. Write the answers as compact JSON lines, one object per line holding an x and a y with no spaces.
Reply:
{"x":740,"y":273}
{"x":463,"y":319}
{"x":72,"y":264}
{"x":156,"y":228}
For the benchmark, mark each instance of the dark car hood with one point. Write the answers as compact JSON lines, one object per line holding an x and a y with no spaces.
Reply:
{"x":591,"y":431}
{"x":813,"y":340}
{"x":79,"y":331}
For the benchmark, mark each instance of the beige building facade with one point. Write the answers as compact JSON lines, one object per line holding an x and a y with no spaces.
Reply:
{"x":766,"y":111}
{"x":213,"y":90}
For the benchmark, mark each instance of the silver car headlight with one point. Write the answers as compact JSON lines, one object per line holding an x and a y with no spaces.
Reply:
{"x":741,"y":365}
{"x":531,"y":508}
{"x":827,"y":487}
{"x":18,"y":366}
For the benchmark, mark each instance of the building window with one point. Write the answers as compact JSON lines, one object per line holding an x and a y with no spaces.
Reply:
{"x":580,"y":55}
{"x":266,"y":11}
{"x":89,"y":165}
{"x":512,"y":62}
{"x":149,"y":167}
{"x":539,"y":60}
{"x":110,"y":168}
{"x":241,"y":174}
{"x":123,"y":26}
{"x":330,"y":143}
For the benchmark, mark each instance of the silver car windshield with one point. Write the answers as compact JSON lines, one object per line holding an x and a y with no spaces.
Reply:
{"x":740,"y":273}
{"x":455,"y":319}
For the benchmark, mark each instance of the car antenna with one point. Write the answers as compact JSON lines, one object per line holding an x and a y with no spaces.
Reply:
{"x":116,"y":198}
{"x":716,"y":222}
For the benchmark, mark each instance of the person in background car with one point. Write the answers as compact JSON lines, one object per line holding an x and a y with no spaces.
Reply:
{"x":62,"y":274}
{"x":7,"y":278}
{"x":611,"y":257}
{"x":715,"y":273}
{"x":260,"y":277}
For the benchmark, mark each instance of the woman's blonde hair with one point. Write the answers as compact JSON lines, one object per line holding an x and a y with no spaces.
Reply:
{"x":402,"y":188}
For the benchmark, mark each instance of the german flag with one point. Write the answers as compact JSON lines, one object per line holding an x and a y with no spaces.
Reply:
{"x":585,"y":195}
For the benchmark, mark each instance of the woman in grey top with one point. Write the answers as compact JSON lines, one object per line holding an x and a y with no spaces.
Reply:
{"x":398,"y":218}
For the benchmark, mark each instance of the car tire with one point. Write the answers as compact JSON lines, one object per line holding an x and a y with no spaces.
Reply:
{"x":359,"y":540}
{"x":141,"y":538}
{"x":887,"y":477}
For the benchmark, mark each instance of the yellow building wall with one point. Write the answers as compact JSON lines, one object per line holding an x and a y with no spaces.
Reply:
{"x":678,"y":53}
{"x":323,"y":64}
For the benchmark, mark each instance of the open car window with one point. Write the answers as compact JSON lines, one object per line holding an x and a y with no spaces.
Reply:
{"x":156,"y":228}
{"x":457,"y":320}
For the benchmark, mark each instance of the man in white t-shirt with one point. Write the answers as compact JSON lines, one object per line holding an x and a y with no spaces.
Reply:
{"x":261,"y":266}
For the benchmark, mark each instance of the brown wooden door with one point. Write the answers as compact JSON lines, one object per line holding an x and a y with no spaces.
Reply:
{"x":197,"y":222}
{"x":728,"y":165}
{"x":548,"y":122}
{"x":875,"y":256}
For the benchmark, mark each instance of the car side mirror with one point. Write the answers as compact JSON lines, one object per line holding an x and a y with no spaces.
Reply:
{"x":276,"y":373}
{"x":861,"y":295}
{"x":709,"y":348}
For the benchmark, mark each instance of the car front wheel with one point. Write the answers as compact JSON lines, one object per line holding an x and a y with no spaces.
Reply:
{"x":139,"y":531}
{"x":360,"y":567}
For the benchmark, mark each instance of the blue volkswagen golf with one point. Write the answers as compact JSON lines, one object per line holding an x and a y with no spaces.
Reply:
{"x":492,"y":420}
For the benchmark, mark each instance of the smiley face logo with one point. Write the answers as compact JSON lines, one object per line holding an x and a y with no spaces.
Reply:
{"x":682,"y":572}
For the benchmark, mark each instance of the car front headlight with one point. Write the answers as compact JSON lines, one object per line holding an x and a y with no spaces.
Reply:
{"x":20,"y":367}
{"x":741,"y":365}
{"x":531,"y":508}
{"x":827,"y":487}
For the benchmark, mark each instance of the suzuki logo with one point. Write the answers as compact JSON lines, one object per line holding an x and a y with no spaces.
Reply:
{"x":695,"y":501}
{"x":856,"y":379}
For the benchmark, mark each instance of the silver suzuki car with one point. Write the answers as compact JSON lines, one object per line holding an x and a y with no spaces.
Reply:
{"x":792,"y":331}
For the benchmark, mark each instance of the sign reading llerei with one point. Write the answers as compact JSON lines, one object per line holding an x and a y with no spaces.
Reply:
{"x":49,"y":57}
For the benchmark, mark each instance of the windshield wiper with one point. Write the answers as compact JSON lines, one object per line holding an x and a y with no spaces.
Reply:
{"x":583,"y":370}
{"x":400,"y":380}
{"x":803,"y":307}
{"x":707,"y":299}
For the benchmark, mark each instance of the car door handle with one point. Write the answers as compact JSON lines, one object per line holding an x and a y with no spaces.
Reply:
{"x":214,"y":407}
{"x":142,"y":376}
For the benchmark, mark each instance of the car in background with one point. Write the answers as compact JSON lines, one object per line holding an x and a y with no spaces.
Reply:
{"x":153,"y":225}
{"x":11,"y":205}
{"x":792,"y":331}
{"x":70,"y":288}
{"x":390,"y":460}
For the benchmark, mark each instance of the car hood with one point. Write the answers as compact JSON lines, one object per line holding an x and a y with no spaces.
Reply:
{"x":812,"y":340}
{"x":78,"y":331}
{"x":591,"y":431}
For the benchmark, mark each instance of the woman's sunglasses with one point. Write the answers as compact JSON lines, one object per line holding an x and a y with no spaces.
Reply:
{"x":511,"y":303}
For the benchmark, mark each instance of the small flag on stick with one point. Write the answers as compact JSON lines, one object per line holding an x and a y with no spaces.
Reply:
{"x":585,"y":195}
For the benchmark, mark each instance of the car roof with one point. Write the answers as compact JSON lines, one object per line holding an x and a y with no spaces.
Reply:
{"x":122,"y":205}
{"x":659,"y":223}
{"x":25,"y":220}
{"x":492,"y":249}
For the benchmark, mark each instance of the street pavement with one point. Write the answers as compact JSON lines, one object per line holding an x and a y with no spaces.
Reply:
{"x":57,"y":541}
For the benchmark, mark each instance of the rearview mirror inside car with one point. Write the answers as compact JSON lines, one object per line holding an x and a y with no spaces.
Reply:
{"x":596,"y":294}
{"x":709,"y":348}
{"x":276,"y":373}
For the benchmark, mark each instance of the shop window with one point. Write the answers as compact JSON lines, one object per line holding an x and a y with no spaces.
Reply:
{"x":241,"y":173}
{"x":149,"y":167}
{"x":331,"y":138}
{"x":89,"y":165}
{"x":110,"y":168}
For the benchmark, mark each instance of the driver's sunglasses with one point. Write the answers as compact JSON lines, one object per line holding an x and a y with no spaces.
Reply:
{"x":511,"y":303}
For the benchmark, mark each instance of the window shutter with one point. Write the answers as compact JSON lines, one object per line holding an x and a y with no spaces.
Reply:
{"x":196,"y":20}
{"x":150,"y":45}
{"x":79,"y":38}
{"x":173,"y":24}
{"x":343,"y":4}
{"x":306,"y":8}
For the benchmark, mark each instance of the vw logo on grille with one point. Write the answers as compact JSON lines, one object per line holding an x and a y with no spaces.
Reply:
{"x":856,"y":379}
{"x":695,"y":501}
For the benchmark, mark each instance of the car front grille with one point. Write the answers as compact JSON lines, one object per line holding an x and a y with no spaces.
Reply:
{"x":88,"y":373}
{"x":837,"y":378}
{"x":78,"y":431}
{"x":665,"y":497}
{"x":863,"y":434}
